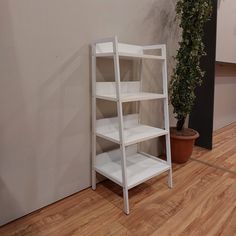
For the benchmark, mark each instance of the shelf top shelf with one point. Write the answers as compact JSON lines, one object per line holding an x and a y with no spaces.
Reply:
{"x":140,"y":167}
{"x":131,"y":97}
{"x":129,"y":51}
{"x":123,"y":55}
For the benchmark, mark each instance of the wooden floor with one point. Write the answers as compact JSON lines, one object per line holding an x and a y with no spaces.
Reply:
{"x":202,"y":202}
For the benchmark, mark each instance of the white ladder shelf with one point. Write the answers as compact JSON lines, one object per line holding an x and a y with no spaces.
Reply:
{"x":127,"y":166}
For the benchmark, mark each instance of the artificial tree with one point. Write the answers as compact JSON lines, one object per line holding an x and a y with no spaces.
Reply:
{"x":192,"y":14}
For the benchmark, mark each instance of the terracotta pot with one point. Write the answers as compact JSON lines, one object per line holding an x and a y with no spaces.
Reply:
{"x":182,"y":146}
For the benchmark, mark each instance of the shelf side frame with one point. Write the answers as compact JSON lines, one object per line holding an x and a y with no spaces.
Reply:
{"x":166,"y":115}
{"x":93,"y":111}
{"x":121,"y":125}
{"x":139,"y":106}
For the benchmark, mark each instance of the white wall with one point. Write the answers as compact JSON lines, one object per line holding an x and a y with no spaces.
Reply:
{"x":226,"y":31}
{"x":45,"y":89}
{"x":225,"y":96}
{"x":225,"y":80}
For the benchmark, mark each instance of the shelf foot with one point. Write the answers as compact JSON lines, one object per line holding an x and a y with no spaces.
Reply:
{"x":94,"y":187}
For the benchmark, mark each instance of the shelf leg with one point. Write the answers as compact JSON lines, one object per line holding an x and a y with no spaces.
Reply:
{"x":94,"y":180}
{"x":126,"y":200}
{"x":168,"y":154}
{"x":170,"y":182}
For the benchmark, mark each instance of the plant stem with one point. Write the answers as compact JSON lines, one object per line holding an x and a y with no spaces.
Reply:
{"x":180,"y":124}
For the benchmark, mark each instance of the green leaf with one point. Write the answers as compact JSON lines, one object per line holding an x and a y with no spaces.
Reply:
{"x":193,"y":15}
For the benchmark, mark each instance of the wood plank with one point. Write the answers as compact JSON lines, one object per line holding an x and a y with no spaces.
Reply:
{"x":202,"y":202}
{"x":230,"y":226}
{"x":197,"y":208}
{"x":223,"y":153}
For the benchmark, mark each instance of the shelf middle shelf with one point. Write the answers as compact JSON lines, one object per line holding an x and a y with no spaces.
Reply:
{"x":130,"y":92}
{"x":134,"y":132}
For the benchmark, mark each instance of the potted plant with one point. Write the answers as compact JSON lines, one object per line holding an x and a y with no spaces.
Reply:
{"x":187,"y":74}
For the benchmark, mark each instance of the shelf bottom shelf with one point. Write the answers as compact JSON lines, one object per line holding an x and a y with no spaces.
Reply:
{"x":140,"y":166}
